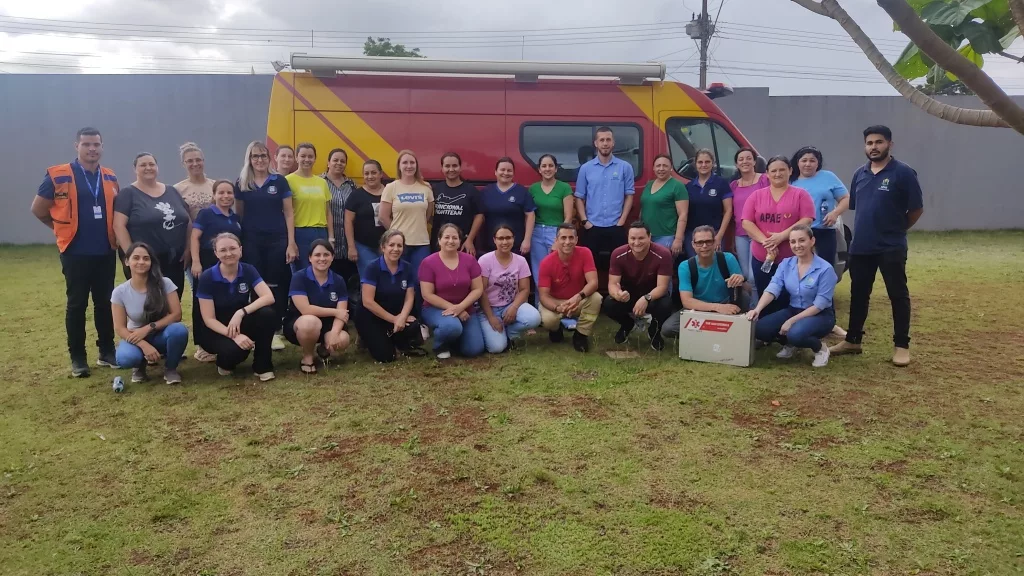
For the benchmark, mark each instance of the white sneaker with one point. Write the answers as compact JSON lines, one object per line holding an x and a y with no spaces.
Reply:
{"x":277,"y":343}
{"x":444,"y":355}
{"x":266,"y":376}
{"x":821,"y":357}
{"x":786,"y":353}
{"x":425,"y":332}
{"x":223,"y":371}
{"x":139,"y":375}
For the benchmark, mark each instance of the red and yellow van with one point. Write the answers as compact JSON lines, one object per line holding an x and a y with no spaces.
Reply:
{"x":373,"y":115}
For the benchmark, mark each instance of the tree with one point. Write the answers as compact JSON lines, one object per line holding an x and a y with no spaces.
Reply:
{"x":945,"y":87}
{"x":383,"y":47}
{"x":1002,"y":111}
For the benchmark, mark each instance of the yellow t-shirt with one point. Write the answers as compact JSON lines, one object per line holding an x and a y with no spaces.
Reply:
{"x":310,"y":197}
{"x":409,"y":210}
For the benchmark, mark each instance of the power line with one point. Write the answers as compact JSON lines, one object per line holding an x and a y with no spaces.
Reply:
{"x":807,"y":33}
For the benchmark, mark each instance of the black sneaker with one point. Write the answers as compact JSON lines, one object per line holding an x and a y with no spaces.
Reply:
{"x":622,"y":335}
{"x":107,"y":360}
{"x":79,"y":368}
{"x":657,"y":341}
{"x":580,"y":342}
{"x":556,"y":336}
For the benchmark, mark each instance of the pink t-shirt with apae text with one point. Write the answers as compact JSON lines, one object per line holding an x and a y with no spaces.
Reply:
{"x":771,"y":216}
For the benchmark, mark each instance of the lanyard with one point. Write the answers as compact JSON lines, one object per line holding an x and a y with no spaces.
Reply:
{"x":93,"y":187}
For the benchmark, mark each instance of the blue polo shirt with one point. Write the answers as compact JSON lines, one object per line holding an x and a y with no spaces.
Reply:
{"x":706,"y":207}
{"x":509,"y":207}
{"x":211,"y":221}
{"x":604,"y":188}
{"x":814,"y":288}
{"x":882,"y":202}
{"x":91,"y":237}
{"x":326,"y":295}
{"x":228,"y":297}
{"x":264,"y":206}
{"x":391,"y":288}
{"x":711,"y":287}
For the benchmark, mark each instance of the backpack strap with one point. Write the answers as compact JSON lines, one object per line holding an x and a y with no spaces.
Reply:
{"x":723,"y":269}
{"x":692,"y":262}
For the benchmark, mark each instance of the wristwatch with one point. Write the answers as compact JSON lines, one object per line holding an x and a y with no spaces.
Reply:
{"x":582,"y":295}
{"x":152,"y":326}
{"x":647,"y":296}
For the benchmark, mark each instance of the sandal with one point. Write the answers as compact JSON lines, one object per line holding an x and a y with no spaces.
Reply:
{"x":414,"y":352}
{"x":322,"y":352}
{"x":307,"y":368}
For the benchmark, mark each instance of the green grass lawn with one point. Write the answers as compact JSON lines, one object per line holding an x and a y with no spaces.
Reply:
{"x":543,"y":461}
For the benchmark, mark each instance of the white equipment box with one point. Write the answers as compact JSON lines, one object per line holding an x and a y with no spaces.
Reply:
{"x":718,"y":338}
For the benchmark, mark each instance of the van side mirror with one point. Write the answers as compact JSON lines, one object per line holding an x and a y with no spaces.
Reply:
{"x":760,"y":165}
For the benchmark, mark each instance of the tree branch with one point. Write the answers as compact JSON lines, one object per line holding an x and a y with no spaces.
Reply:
{"x":965,"y":116}
{"x":945,"y":56}
{"x":1006,"y":54}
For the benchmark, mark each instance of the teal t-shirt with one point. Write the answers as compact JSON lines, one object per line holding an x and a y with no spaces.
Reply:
{"x":710,"y":284}
{"x":549,"y":206}
{"x":658,"y":210}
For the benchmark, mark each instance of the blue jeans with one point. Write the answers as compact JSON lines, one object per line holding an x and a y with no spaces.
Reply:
{"x":171,"y":342}
{"x":366,"y":255}
{"x":541,"y":242}
{"x":805,"y":333}
{"x":746,"y":260}
{"x":449,"y":332}
{"x":304,"y":238}
{"x":527,"y":318}
{"x":414,"y":255}
{"x":665,"y":241}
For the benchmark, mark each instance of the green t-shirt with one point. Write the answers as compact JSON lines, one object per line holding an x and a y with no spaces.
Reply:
{"x":658,"y":210}
{"x":549,"y":206}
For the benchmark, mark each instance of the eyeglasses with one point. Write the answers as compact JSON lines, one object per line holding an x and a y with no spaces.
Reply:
{"x":259,"y":157}
{"x":703,"y":242}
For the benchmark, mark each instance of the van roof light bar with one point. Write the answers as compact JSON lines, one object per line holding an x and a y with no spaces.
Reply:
{"x":523,"y":71}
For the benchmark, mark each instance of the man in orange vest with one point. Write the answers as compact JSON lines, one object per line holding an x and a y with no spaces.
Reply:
{"x":76,"y":201}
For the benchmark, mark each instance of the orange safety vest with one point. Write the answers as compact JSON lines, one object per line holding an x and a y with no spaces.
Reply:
{"x":64,"y":211}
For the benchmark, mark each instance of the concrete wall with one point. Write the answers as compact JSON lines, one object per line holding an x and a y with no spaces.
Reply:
{"x":39,"y":115}
{"x":967,"y":174}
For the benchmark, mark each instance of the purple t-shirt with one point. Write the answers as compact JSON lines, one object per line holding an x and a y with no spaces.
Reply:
{"x":771,"y":216}
{"x":452,"y":285}
{"x":502,"y":282}
{"x":739,"y":198}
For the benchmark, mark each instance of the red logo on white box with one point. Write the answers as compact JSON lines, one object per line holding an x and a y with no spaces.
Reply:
{"x":720,"y":326}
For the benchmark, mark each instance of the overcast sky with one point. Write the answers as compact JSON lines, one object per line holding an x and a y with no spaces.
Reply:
{"x":773,"y":43}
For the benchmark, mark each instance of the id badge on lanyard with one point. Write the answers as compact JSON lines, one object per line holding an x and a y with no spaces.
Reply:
{"x":95,"y":189}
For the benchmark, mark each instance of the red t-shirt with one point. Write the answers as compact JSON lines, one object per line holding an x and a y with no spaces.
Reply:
{"x":640,"y":276}
{"x":566,"y":279}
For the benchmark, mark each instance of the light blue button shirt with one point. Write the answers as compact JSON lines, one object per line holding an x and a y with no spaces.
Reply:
{"x":815,"y":288}
{"x":604,"y":188}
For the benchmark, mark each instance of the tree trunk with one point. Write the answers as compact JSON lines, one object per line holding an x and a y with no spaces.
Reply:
{"x":957,"y":115}
{"x":944,"y":55}
{"x":1017,"y":10}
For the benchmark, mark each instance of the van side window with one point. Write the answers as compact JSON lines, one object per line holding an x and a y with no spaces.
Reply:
{"x":687,"y":135}
{"x":572,"y":144}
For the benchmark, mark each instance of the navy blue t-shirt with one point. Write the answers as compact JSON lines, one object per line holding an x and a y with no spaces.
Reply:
{"x":882,"y":202}
{"x":91,"y":237}
{"x":391,"y":288}
{"x":706,"y":202}
{"x":264,"y":206}
{"x":211,"y":221}
{"x":327,"y":295}
{"x":508,"y":207}
{"x":228,"y":297}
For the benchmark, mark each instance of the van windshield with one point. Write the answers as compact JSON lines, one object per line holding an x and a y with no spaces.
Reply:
{"x":687,"y":135}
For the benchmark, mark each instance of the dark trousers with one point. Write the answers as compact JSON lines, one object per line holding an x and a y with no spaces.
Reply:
{"x":763,"y":279}
{"x":825,"y":242}
{"x":171,"y":267}
{"x":207,"y":260}
{"x":862,"y":268}
{"x":375,"y":334}
{"x":85,"y":276}
{"x":622,"y":312}
{"x":602,"y":241}
{"x":259,"y":326}
{"x":267,"y":253}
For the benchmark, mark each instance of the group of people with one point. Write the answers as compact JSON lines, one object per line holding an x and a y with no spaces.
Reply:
{"x":269,"y":256}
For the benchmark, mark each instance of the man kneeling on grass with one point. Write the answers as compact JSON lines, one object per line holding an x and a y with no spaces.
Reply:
{"x":709,"y":282}
{"x":567,"y":286}
{"x":639,"y":280}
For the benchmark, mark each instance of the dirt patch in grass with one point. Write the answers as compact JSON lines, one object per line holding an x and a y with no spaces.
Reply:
{"x":461,"y":556}
{"x":988,"y":356}
{"x":569,"y":405}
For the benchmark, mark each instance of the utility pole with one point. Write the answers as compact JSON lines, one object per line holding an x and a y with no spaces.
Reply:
{"x":701,"y":29}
